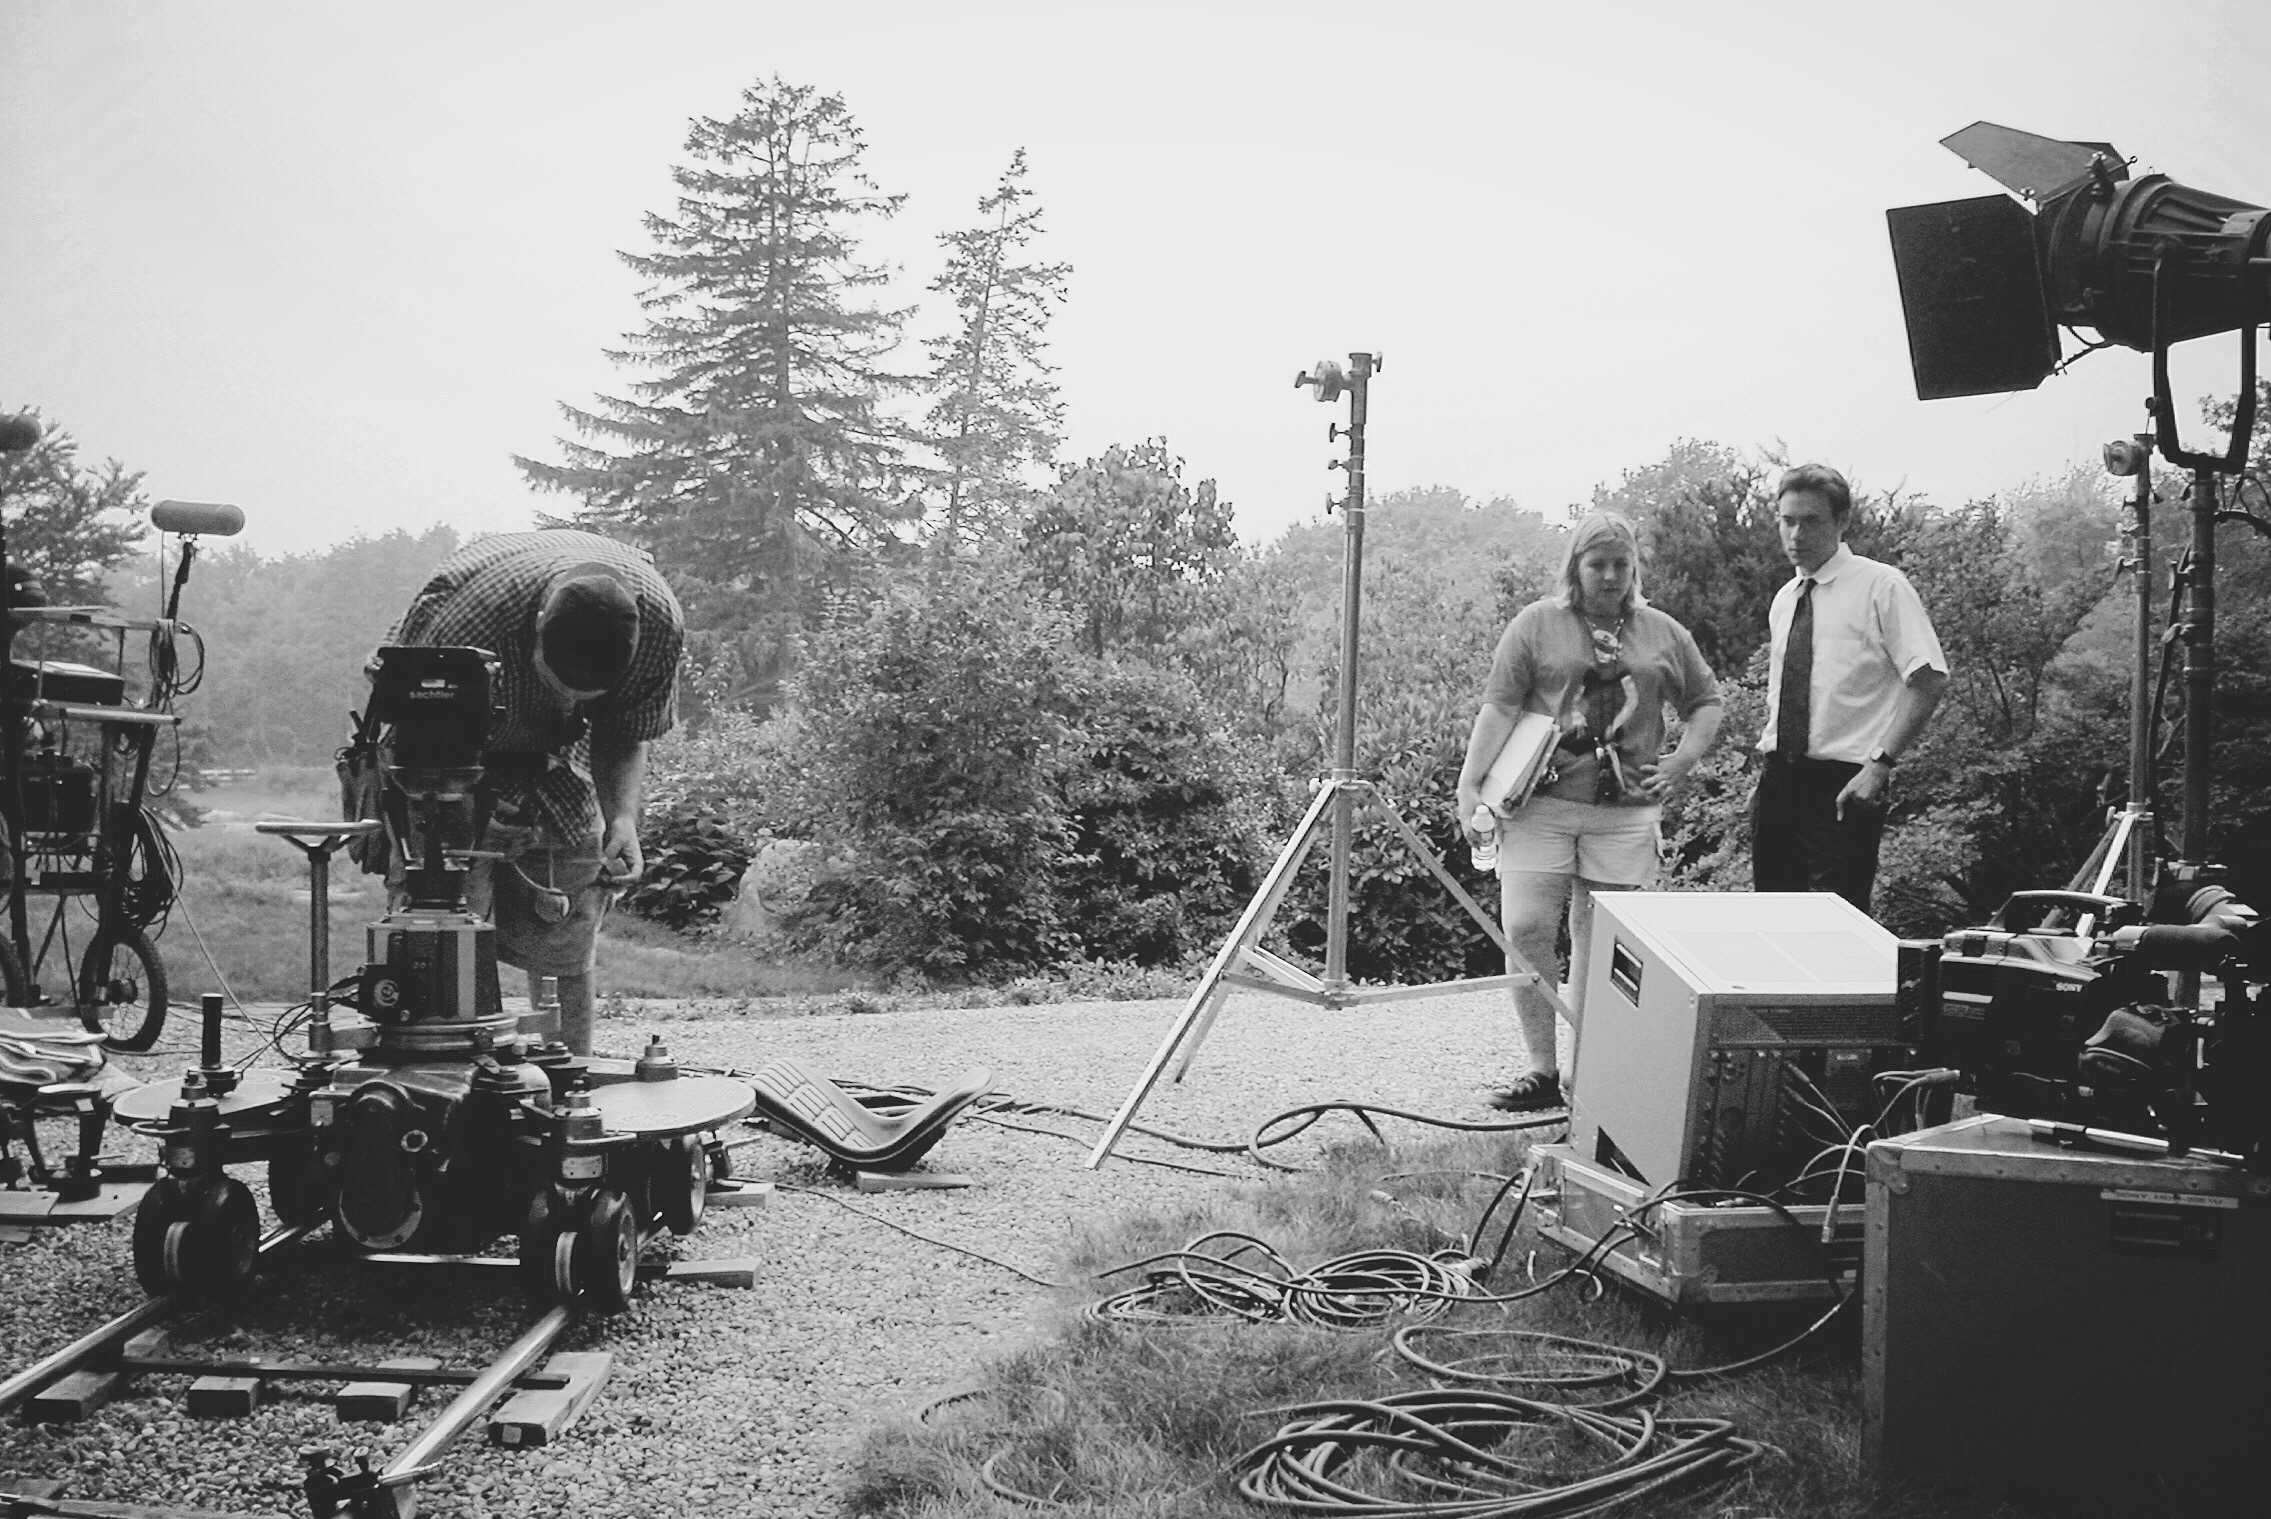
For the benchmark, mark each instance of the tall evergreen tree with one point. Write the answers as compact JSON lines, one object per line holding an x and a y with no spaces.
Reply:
{"x":997,"y":415}
{"x":69,"y":524}
{"x":755,"y":463}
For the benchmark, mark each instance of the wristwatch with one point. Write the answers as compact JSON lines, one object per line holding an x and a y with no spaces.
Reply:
{"x":1883,"y":756}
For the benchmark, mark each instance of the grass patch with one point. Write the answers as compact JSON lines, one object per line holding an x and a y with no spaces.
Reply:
{"x":243,"y":920}
{"x":1143,"y":1420}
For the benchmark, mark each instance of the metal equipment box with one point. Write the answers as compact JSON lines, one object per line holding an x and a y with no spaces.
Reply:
{"x":1688,"y":1253}
{"x":2091,"y":1326}
{"x":1699,"y":1006}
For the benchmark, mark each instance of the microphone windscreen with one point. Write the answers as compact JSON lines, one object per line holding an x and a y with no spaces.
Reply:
{"x":215,"y":517}
{"x":18,"y":433}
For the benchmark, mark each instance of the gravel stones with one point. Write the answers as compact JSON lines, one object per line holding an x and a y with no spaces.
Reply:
{"x":731,"y":1401}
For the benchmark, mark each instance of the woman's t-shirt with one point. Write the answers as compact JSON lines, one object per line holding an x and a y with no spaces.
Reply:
{"x":1551,"y":662}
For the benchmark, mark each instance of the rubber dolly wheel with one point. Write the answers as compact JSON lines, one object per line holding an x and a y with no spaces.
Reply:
{"x":683,"y":1186}
{"x":606,"y":1254}
{"x":547,"y":1251}
{"x":196,"y":1238}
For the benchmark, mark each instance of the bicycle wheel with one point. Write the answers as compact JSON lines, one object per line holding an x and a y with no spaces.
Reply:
{"x":122,"y":991}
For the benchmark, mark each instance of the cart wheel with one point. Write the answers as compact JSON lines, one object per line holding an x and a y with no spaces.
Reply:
{"x":682,"y":1189}
{"x":161,"y":1227}
{"x":607,"y":1254}
{"x":547,"y":1253}
{"x":122,"y":991}
{"x":201,"y":1240}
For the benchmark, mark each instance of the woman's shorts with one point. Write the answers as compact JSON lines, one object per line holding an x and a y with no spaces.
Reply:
{"x":1617,"y":846}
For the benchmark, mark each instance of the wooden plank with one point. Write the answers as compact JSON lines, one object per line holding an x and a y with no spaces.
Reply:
{"x":741,"y":1194}
{"x":115,"y":1198}
{"x":381,"y":1402}
{"x":225,"y":1397}
{"x":739,"y":1271}
{"x":70,"y":1399}
{"x":530,"y":1419}
{"x":909,"y":1181}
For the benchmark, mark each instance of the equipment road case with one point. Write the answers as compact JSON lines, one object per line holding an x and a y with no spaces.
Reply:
{"x":2089,"y":1325}
{"x":1690,"y":1253}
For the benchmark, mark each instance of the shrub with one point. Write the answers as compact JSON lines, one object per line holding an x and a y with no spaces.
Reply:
{"x":693,"y":863}
{"x":1168,"y":818}
{"x":1424,"y":663}
{"x":935,"y":732}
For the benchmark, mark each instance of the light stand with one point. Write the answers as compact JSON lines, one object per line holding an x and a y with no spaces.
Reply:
{"x":1242,"y":961}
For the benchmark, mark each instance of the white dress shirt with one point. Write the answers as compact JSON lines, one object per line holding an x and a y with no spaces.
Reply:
{"x":1870,"y":634}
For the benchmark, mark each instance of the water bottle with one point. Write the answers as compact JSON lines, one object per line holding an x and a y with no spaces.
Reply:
{"x":1485,"y":824}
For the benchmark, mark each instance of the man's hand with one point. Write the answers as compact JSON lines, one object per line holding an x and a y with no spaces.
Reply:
{"x":1866,"y":789}
{"x":620,"y":862}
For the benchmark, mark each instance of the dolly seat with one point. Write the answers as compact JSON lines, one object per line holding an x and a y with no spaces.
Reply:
{"x":35,"y":1053}
{"x":860,"y":1135}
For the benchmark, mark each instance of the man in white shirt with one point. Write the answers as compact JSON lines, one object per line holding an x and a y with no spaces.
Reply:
{"x":1856,"y":673}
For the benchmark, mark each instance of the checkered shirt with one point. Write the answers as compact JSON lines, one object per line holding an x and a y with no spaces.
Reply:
{"x":487,"y":595}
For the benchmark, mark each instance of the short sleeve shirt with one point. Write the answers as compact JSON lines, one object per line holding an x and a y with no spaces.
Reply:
{"x":1542,"y":665}
{"x":1870,"y":634}
{"x":487,"y":595}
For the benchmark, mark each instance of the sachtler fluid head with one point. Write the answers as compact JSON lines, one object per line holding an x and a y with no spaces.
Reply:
{"x":437,"y":707}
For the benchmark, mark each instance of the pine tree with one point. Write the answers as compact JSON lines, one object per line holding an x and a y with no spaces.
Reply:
{"x":997,"y":415}
{"x":68,"y":524}
{"x":755,"y":463}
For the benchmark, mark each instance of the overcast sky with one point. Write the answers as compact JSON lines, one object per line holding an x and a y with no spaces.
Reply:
{"x":336,"y":263}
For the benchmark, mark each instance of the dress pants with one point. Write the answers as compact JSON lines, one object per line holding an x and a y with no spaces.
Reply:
{"x":1798,"y":842}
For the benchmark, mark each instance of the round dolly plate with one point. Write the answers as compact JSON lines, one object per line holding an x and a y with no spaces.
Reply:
{"x":661,"y":1109}
{"x":153,"y":1101}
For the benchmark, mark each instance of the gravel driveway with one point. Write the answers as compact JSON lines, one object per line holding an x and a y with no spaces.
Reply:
{"x":732,"y":1401}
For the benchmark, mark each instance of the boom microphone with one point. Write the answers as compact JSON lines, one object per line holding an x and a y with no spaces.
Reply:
{"x":215,"y":517}
{"x":18,"y":433}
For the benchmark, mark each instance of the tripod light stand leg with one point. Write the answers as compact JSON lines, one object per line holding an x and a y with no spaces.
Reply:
{"x":1198,"y":1014}
{"x":1428,"y":857}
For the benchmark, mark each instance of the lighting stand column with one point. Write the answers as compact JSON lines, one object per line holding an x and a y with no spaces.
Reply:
{"x":2199,"y":635}
{"x":1344,"y":740}
{"x":1242,"y":961}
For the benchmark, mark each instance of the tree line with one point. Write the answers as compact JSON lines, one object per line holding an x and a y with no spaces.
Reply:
{"x":1036,"y":711}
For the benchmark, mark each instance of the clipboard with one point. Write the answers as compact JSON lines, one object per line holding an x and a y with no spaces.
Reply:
{"x":1521,"y":764}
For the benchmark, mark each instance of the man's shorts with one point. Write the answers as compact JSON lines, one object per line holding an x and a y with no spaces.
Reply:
{"x":1617,"y":846}
{"x":546,"y":901}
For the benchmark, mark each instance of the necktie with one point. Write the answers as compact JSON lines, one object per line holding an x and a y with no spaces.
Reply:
{"x":1792,"y":713}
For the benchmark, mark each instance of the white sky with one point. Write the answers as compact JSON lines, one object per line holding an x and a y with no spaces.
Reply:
{"x":335,"y":263}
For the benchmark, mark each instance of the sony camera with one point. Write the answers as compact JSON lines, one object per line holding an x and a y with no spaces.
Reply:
{"x":2091,"y":1011}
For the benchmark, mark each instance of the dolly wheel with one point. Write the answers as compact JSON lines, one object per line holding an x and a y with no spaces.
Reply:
{"x":683,"y":1184}
{"x":547,"y":1253}
{"x":198,"y":1239}
{"x":161,"y":1226}
{"x":607,"y":1254}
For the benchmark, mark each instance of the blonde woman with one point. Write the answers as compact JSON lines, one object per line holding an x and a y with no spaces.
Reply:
{"x":1604,"y":665}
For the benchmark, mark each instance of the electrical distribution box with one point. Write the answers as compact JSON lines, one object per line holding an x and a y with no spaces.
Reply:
{"x":1704,"y":1010}
{"x":2092,"y":1326}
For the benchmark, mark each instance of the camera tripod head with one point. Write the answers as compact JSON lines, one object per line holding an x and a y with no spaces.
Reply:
{"x":437,"y":707}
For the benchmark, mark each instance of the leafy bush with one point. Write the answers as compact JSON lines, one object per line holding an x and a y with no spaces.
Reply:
{"x":1168,"y":819}
{"x":935,"y":730}
{"x":1424,"y":662}
{"x":693,"y":862}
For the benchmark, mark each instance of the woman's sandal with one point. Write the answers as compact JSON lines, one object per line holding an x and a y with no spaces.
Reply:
{"x":1527,"y":1092}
